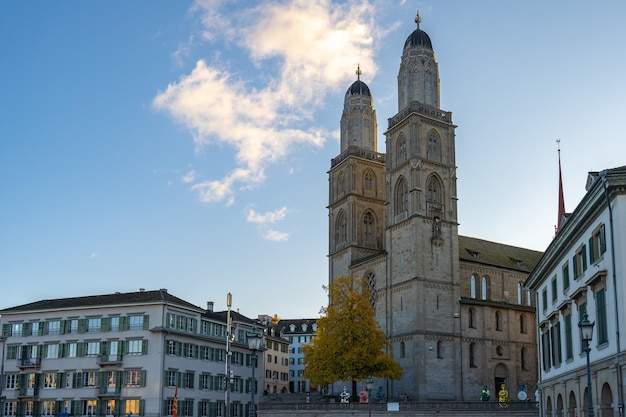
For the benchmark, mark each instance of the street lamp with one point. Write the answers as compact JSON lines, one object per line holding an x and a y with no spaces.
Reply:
{"x":254,"y":344}
{"x":369,"y":384}
{"x":586,"y":334}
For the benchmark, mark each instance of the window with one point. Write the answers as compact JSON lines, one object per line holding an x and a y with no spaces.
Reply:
{"x":554,"y":290}
{"x":71,"y":350}
{"x":90,"y":379}
{"x":597,"y":244}
{"x":401,"y":197}
{"x":368,"y":227}
{"x":52,"y":351}
{"x":544,"y":299}
{"x":565,"y":276}
{"x":471,"y":318}
{"x":401,"y":149}
{"x":371,"y":287}
{"x":555,"y":334}
{"x":205,"y":382}
{"x":133,"y":378}
{"x":30,"y":408}
{"x":473,"y":286}
{"x":92,"y":348}
{"x":188,"y":379}
{"x":34,"y":329}
{"x":368,"y":183}
{"x":94,"y":325}
{"x":402,"y":350}
{"x":579,"y":262}
{"x":603,"y":335}
{"x":341,"y":232}
{"x":499,"y":321}
{"x":484,"y":288}
{"x":472,"y":355}
{"x":48,"y":408}
{"x":522,"y":323}
{"x":434,"y":150}
{"x":114,"y":324}
{"x":10,"y":408}
{"x":135,"y":347}
{"x":73,"y":327}
{"x":11,"y":381}
{"x":16,"y":329}
{"x":132,"y":407}
{"x":433,"y":190}
{"x":172,"y":378}
{"x":569,"y":351}
{"x":439,"y":349}
{"x":53,"y":327}
{"x":135,"y":323}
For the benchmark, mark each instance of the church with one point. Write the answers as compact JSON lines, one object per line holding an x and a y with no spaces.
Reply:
{"x":453,"y":307}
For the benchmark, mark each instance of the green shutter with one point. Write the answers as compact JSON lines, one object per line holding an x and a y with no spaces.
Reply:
{"x":584,"y":253}
{"x":602,"y":239}
{"x":60,"y":380}
{"x":63,"y":327}
{"x":80,"y":349}
{"x":146,"y":322}
{"x":575,"y":266}
{"x":144,"y":347}
{"x":105,"y":324}
{"x":5,"y":330}
{"x":142,"y":407}
{"x":25,"y":330}
{"x":591,"y":257}
{"x":82,"y":325}
{"x":142,"y":378}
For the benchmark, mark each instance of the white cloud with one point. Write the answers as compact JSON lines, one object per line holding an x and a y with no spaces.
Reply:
{"x":275,"y":236}
{"x":265,"y":218}
{"x":303,"y":49}
{"x":189,"y":177}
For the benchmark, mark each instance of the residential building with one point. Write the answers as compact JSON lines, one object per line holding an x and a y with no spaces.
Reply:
{"x":298,"y":332}
{"x":393,"y":220}
{"x":581,"y":274}
{"x":141,"y":353}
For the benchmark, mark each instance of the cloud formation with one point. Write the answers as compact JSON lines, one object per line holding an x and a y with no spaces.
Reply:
{"x":301,"y":51}
{"x":265,"y":219}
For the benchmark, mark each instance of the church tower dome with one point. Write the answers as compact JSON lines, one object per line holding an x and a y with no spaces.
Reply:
{"x":358,"y":120}
{"x":418,"y":78}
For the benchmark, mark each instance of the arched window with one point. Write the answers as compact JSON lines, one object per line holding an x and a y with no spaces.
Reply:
{"x":484,"y":289}
{"x":368,"y":181}
{"x":472,"y":354}
{"x":401,"y":149}
{"x":341,"y":228}
{"x":434,"y":190}
{"x":340,"y":183}
{"x":439,"y":349}
{"x":402,"y":351}
{"x":434,"y":148}
{"x":522,"y":323}
{"x":471,"y":319}
{"x":402,"y":196}
{"x":499,"y":320}
{"x":368,"y":227}
{"x":371,"y":287}
{"x":473,"y":286}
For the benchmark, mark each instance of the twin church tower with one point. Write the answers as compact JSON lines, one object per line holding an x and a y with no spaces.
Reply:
{"x":393,"y":220}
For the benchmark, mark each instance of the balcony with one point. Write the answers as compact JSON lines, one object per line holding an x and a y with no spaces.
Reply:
{"x":29,"y":363}
{"x":110,"y":360}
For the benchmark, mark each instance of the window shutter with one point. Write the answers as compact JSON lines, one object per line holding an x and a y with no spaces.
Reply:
{"x":142,"y":378}
{"x":146,"y":321}
{"x":63,"y":327}
{"x":60,"y":380}
{"x":105,"y":324}
{"x":591,"y":257}
{"x":5,"y":330}
{"x":575,"y":266}
{"x":584,"y":253}
{"x":82,"y":325}
{"x":142,"y":407}
{"x":144,"y":347}
{"x":602,"y":239}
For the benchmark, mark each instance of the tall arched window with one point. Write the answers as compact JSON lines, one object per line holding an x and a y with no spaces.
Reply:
{"x":402,"y":351}
{"x":439,"y":349}
{"x":471,"y":318}
{"x":368,"y":227}
{"x":402,"y":196}
{"x":371,"y":286}
{"x":473,"y":286}
{"x":484,"y":289}
{"x":341,"y":229}
{"x":472,"y":355}
{"x":434,"y":148}
{"x":522,"y":323}
{"x":368,"y":182}
{"x":340,"y":183}
{"x":434,"y":190}
{"x":401,"y":149}
{"x":499,"y":320}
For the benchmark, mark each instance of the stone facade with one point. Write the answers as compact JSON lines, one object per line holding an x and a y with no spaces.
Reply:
{"x":393,"y":219}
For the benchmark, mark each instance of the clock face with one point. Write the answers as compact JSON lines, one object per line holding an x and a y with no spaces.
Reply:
{"x":522,"y":395}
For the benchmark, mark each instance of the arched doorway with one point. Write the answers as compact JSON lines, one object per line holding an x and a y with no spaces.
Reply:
{"x":559,"y":406}
{"x":606,"y":401}
{"x":571,"y":405}
{"x":549,"y":407}
{"x":500,"y":376}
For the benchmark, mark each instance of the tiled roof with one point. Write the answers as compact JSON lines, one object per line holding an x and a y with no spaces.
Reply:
{"x":138,"y":297}
{"x":283,"y":326}
{"x":497,"y":254}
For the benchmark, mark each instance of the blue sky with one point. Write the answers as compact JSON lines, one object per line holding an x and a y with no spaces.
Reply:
{"x":185,"y":145}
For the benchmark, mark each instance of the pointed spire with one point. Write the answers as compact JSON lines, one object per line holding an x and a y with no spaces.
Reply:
{"x":418,"y":19}
{"x":561,"y":198}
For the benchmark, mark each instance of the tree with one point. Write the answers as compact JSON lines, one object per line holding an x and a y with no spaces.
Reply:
{"x":349,"y":344}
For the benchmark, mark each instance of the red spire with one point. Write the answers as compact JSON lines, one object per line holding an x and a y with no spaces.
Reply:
{"x":561,"y":199}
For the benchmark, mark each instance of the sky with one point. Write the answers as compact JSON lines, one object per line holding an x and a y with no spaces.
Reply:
{"x":185,"y":144}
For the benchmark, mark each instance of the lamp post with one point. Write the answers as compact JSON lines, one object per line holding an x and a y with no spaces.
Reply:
{"x":586,"y":334}
{"x":369,"y":384}
{"x":254,"y":344}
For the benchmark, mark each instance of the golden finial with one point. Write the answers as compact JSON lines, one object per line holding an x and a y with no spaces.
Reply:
{"x":358,"y":72}
{"x":418,"y":19}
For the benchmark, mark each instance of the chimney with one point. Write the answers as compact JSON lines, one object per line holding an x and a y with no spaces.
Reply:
{"x":209,"y":306}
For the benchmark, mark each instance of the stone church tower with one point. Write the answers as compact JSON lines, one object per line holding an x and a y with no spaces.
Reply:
{"x":393,"y":220}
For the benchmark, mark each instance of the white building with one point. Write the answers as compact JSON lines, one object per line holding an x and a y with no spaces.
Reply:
{"x":581,"y":272}
{"x":124,"y":354}
{"x":298,"y":332}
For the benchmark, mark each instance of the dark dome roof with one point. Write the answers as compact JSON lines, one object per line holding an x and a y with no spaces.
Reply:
{"x":418,"y":38}
{"x":358,"y":87}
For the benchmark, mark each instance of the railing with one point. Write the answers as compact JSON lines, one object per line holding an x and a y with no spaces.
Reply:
{"x":513,"y":406}
{"x":29,"y":363}
{"x":417,"y":107}
{"x":361,"y":153}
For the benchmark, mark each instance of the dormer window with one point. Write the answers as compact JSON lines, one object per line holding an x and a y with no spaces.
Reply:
{"x":304,"y":327}
{"x":292,"y":327}
{"x":473,"y":254}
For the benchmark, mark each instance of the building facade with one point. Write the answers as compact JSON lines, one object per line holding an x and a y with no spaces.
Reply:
{"x":393,"y":220}
{"x":143,"y":353}
{"x":581,"y":273}
{"x":297,"y":332}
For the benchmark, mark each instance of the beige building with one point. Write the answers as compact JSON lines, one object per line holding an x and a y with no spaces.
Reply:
{"x":393,"y":219}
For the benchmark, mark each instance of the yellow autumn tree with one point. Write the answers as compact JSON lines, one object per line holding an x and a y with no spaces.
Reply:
{"x":349,"y":344}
